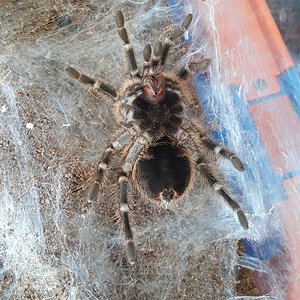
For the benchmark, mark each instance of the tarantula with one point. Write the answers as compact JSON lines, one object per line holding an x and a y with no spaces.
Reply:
{"x":163,"y":136}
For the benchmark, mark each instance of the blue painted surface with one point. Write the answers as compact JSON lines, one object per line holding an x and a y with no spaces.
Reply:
{"x":266,"y":249}
{"x":289,"y":83}
{"x":267,"y":177}
{"x":272,"y":183}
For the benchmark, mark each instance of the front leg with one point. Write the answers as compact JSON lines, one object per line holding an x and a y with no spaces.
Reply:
{"x":127,"y":45}
{"x":193,"y":67}
{"x":97,"y":86}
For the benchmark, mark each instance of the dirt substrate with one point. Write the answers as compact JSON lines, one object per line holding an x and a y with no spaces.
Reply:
{"x":52,"y":136}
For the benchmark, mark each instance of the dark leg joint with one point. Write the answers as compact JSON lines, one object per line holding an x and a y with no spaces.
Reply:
{"x":108,"y":89}
{"x":183,"y":73}
{"x":156,"y":54}
{"x":123,"y":35}
{"x":235,"y":206}
{"x":236,"y":162}
{"x":193,"y":67}
{"x":130,"y":248}
{"x":73,"y":73}
{"x":131,"y":252}
{"x":119,"y":19}
{"x":165,"y":51}
{"x":80,"y":77}
{"x":93,"y":192}
{"x":132,"y":61}
{"x":147,"y":56}
{"x":184,"y":25}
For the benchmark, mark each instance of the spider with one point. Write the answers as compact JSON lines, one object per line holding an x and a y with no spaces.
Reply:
{"x":163,"y":137}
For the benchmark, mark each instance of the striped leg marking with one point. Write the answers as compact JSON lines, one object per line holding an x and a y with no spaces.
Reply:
{"x":156,"y":55}
{"x":177,"y":33}
{"x":236,"y":162}
{"x":147,"y":56}
{"x":124,"y":209}
{"x":193,"y":67}
{"x":208,"y":172}
{"x":97,"y":85}
{"x":127,"y":45}
{"x":119,"y":144}
{"x":131,"y":157}
{"x":133,"y":154}
{"x":92,"y":196}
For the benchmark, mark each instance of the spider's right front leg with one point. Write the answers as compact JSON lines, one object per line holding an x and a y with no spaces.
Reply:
{"x":169,"y":42}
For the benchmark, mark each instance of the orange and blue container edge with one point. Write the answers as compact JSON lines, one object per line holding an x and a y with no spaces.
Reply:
{"x":270,"y":119}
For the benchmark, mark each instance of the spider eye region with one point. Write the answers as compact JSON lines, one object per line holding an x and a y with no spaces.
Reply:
{"x":154,"y":88}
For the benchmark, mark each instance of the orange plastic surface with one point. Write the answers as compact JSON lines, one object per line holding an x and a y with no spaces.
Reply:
{"x":278,"y":126}
{"x":252,"y":52}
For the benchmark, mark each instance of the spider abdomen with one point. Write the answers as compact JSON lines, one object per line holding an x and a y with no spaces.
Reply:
{"x":163,"y":166}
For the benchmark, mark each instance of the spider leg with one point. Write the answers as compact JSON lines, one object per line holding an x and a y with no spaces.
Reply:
{"x":133,"y":153}
{"x":120,"y":143}
{"x":131,"y":157}
{"x":93,"y":192}
{"x":130,"y":247}
{"x":157,"y":52}
{"x":97,"y":85}
{"x":234,"y":159}
{"x":215,"y":180}
{"x":193,"y":67}
{"x":127,"y":45}
{"x":177,"y":33}
{"x":212,"y":146}
{"x":147,"y":56}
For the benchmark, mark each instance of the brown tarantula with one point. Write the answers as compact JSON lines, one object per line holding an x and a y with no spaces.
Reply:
{"x":163,"y":136}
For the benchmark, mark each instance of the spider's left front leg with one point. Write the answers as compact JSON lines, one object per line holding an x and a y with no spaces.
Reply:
{"x":133,"y":67}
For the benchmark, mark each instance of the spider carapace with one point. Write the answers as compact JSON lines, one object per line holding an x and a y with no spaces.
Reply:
{"x":163,"y":140}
